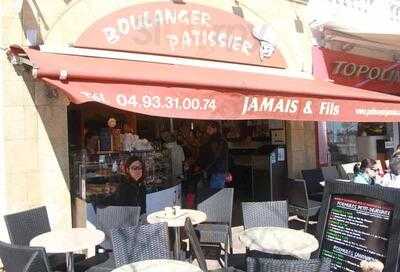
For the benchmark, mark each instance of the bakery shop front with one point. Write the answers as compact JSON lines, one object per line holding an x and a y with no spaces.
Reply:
{"x":148,"y":76}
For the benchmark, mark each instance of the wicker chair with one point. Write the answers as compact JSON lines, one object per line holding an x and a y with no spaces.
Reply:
{"x":91,"y":214}
{"x":139,"y":243}
{"x":299,"y":202}
{"x":197,"y":251}
{"x":265,"y":214}
{"x":107,"y":219}
{"x":17,"y":258}
{"x":113,"y":217}
{"x":273,"y":265}
{"x":218,"y":209}
{"x":24,"y":226}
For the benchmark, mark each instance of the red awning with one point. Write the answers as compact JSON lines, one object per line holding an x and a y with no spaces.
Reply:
{"x":180,"y":91}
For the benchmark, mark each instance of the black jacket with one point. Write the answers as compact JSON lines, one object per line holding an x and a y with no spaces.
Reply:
{"x":127,"y":194}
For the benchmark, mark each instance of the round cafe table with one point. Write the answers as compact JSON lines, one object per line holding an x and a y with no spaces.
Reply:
{"x":159,"y":265}
{"x":68,"y":241}
{"x":280,"y":241}
{"x":177,"y":221}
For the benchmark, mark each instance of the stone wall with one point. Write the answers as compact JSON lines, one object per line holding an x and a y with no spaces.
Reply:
{"x":34,"y":141}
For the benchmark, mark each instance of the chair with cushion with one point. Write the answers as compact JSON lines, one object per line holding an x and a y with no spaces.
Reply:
{"x":299,"y":203}
{"x":197,"y":251}
{"x":218,"y":209}
{"x":16,"y":258}
{"x":113,"y":217}
{"x":24,"y":226}
{"x":139,"y":243}
{"x":265,"y":214}
{"x":274,"y":265}
{"x":313,"y":177}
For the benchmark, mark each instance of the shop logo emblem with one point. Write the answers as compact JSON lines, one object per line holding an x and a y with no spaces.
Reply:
{"x":265,"y":34}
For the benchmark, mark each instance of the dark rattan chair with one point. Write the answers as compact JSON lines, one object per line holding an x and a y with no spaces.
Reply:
{"x":17,"y":258}
{"x":218,"y":209}
{"x":299,"y":203}
{"x":24,"y":226}
{"x":139,"y":243}
{"x":113,"y":217}
{"x":330,"y":172}
{"x":313,"y":177}
{"x":273,"y":265}
{"x":197,"y":251}
{"x":265,"y":214}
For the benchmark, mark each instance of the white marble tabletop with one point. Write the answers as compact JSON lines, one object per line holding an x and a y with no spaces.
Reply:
{"x":280,"y":241}
{"x":177,"y":220}
{"x":69,"y":240}
{"x":159,"y":265}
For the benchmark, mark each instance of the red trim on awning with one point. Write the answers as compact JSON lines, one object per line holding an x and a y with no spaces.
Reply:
{"x":199,"y":93}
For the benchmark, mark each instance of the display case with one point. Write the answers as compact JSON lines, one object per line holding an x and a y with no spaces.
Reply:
{"x":100,"y":174}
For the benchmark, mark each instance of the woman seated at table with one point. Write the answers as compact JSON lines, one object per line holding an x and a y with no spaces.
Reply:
{"x":131,"y":192}
{"x":366,"y":172}
{"x":392,"y":179}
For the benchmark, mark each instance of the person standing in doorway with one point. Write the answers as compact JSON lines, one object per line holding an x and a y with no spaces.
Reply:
{"x":213,"y":157}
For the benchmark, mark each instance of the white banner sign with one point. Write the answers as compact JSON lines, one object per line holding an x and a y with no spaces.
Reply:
{"x":357,"y":16}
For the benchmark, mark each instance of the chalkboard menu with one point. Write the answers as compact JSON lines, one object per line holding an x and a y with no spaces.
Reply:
{"x":357,"y":228}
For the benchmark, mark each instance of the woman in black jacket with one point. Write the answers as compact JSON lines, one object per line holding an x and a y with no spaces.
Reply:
{"x":132,"y":191}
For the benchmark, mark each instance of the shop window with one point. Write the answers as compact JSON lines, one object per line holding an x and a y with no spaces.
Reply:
{"x":342,"y":141}
{"x":351,"y":142}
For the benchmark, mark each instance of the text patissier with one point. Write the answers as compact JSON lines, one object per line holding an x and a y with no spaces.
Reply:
{"x":200,"y":31}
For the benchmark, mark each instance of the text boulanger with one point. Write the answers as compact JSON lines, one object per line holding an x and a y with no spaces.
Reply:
{"x":199,"y":30}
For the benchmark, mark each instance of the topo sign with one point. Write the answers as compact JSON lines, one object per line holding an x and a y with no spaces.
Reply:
{"x":351,"y":69}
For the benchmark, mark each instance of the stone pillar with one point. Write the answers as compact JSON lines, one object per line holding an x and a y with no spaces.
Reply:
{"x":33,"y":136}
{"x":301,"y":147}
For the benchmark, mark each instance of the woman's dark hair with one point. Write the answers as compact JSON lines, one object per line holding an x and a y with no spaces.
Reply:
{"x":131,"y":160}
{"x":394,"y":165}
{"x":365,"y":163}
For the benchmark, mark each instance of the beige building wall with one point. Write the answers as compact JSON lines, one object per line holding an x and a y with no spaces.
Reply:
{"x":301,"y":145}
{"x":34,"y":141}
{"x":34,"y":122}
